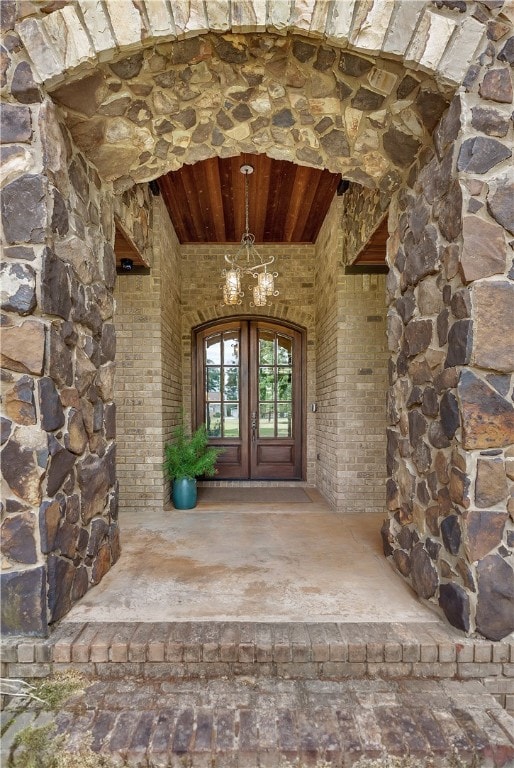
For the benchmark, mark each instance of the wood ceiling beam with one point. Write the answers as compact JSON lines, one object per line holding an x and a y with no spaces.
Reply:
{"x":197,"y":223}
{"x":325,"y":190}
{"x":212,"y":175}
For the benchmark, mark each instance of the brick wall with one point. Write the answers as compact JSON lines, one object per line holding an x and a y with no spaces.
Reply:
{"x":148,"y":381}
{"x":201,"y":302}
{"x":346,"y":359}
{"x":328,"y":247}
{"x":362,"y":383}
{"x":351,"y":370}
{"x":168,"y":248}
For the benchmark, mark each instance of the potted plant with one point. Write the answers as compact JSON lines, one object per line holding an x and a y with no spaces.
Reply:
{"x":186,"y":458}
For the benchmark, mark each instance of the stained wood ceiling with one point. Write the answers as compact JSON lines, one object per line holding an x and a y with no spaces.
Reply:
{"x":374,"y":252}
{"x":287,"y":202}
{"x":124,"y":249}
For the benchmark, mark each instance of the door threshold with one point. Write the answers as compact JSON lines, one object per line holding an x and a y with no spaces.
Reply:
{"x":254,"y":484}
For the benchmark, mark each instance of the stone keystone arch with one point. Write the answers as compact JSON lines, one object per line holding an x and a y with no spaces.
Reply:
{"x":450,"y":455}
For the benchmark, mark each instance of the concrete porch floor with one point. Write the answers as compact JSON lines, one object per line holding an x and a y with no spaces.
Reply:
{"x":252,"y":562}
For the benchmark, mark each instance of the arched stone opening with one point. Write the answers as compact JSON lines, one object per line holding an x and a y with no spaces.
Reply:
{"x":292,"y":98}
{"x":450,"y":401}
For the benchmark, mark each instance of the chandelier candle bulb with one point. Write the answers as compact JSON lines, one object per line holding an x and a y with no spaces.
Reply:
{"x":266,"y":282}
{"x":233,"y":281}
{"x":230,"y":296}
{"x":259,"y":296}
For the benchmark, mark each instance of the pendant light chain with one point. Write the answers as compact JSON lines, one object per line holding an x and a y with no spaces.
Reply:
{"x":247,"y":228}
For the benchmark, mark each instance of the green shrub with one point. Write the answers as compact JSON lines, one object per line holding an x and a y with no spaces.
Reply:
{"x":190,"y":456}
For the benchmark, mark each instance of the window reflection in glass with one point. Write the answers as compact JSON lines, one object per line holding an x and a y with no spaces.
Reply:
{"x":213,"y":419}
{"x":266,"y":384}
{"x":231,"y":420}
{"x":231,"y":348}
{"x":222,"y":416}
{"x":284,"y":384}
{"x":275,"y":384}
{"x":213,"y":350}
{"x":267,"y":420}
{"x":231,"y":383}
{"x":284,"y":420}
{"x":266,"y":348}
{"x":214,"y":383}
{"x":284,"y":350}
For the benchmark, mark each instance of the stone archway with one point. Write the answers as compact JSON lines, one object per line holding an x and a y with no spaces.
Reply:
{"x":450,"y":284}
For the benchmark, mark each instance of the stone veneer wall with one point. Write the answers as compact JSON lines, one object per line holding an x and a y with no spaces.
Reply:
{"x":362,"y":212}
{"x":148,"y":381}
{"x":295,"y":98}
{"x":463,"y":46}
{"x":351,"y":372}
{"x":201,"y":302}
{"x":451,"y":334}
{"x":132,"y":215}
{"x":60,"y":508}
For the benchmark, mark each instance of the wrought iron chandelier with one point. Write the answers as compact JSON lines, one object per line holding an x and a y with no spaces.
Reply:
{"x":248,"y":261}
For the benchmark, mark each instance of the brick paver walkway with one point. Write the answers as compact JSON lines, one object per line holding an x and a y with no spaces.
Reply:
{"x":270,"y":722}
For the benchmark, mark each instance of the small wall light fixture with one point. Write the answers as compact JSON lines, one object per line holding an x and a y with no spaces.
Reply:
{"x":127,"y":264}
{"x":343,"y":187}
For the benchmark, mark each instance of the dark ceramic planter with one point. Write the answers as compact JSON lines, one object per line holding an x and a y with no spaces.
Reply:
{"x":183,"y":493}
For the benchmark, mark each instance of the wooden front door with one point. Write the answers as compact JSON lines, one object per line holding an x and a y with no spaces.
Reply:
{"x":249,"y":395}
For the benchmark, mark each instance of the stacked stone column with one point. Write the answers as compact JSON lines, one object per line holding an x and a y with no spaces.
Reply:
{"x":59,"y":516}
{"x":450,"y":453}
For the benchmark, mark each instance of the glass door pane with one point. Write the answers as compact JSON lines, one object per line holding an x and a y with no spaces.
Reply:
{"x":267,"y":420}
{"x":222,"y":384}
{"x":284,"y":350}
{"x":275,"y":389}
{"x":284,"y":420}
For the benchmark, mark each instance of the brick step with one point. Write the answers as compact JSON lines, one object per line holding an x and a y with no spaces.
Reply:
{"x":270,"y":723}
{"x":302,"y":650}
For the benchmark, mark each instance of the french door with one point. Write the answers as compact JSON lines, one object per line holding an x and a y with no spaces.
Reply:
{"x":249,"y":395}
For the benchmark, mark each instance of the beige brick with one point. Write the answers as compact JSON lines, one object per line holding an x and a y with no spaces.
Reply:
{"x":25,"y":653}
{"x":501,"y":652}
{"x":447,"y":652}
{"x":474,"y":670}
{"x":483,"y":652}
{"x":341,"y":342}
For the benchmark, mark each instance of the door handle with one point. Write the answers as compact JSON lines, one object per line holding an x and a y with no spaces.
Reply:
{"x":253,"y":425}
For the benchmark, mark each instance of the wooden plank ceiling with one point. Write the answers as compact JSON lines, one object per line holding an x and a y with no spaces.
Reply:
{"x":374,"y":252}
{"x":124,"y":249}
{"x":287,"y":202}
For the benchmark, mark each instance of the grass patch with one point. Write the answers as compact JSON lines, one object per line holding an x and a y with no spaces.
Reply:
{"x":54,"y":691}
{"x":39,"y":747}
